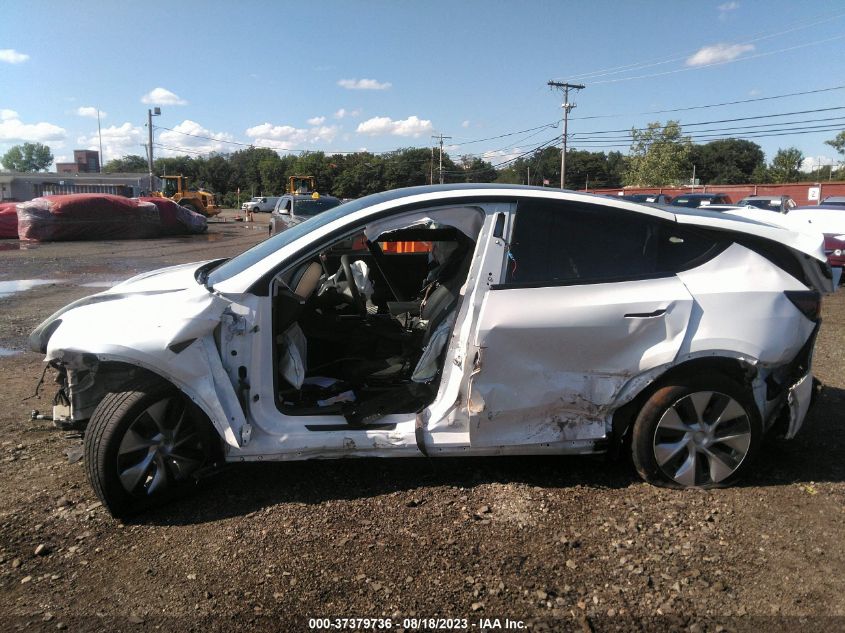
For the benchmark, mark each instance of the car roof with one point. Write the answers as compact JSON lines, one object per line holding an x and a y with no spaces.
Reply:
{"x":377,"y":205}
{"x":764,"y":197}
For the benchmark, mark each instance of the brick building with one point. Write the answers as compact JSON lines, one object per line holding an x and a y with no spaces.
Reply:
{"x":84,"y":162}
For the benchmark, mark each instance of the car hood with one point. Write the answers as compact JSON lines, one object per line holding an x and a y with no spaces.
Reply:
{"x":155,"y":294}
{"x":161,"y":280}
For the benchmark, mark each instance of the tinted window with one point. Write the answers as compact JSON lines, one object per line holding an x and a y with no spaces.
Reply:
{"x":559,"y":242}
{"x":313,"y":207}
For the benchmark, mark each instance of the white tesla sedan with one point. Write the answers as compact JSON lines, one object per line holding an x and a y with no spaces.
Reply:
{"x":450,"y":320}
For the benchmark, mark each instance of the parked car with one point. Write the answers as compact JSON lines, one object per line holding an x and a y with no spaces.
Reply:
{"x":650,"y":198}
{"x":260,"y":203}
{"x":780,"y":204}
{"x":507,"y":331}
{"x":834,"y":201}
{"x":290,"y":209}
{"x":693,"y":200}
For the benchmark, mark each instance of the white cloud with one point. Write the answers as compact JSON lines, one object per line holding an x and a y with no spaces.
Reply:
{"x":498,"y":157}
{"x":380,"y":125}
{"x":727,"y":7}
{"x":465,"y":124}
{"x":118,"y":140}
{"x":162,"y":96}
{"x":754,"y":92}
{"x":812,"y":163}
{"x":718,"y":54}
{"x":190,"y":135}
{"x":284,"y":137}
{"x":11,"y":56}
{"x":13,"y":129}
{"x":316,"y":120}
{"x":90,"y":112}
{"x":343,"y":113}
{"x":363,"y":84}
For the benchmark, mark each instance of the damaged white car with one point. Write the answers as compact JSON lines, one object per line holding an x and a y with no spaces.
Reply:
{"x":450,"y":320}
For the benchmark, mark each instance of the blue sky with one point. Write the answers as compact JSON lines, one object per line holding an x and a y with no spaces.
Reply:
{"x":347,"y":76}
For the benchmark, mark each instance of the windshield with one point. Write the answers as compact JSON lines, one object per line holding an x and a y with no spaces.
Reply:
{"x":258,"y":252}
{"x":169,"y":187}
{"x":309,"y":208}
{"x":760,"y":203}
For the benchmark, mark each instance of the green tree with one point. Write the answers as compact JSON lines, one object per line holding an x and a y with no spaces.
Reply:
{"x":126,"y":164}
{"x":786,"y":165}
{"x":28,"y":157}
{"x":727,"y":161}
{"x":358,"y":175}
{"x":761,"y":174}
{"x":475,"y":169}
{"x":659,"y":155}
{"x":838,"y":143}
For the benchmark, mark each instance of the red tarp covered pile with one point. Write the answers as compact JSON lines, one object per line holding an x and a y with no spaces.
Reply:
{"x":177,"y":220}
{"x":99,"y":217}
{"x":8,"y":220}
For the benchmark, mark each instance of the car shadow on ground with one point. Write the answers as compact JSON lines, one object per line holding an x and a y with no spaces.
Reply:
{"x":243,"y":488}
{"x":816,"y":455}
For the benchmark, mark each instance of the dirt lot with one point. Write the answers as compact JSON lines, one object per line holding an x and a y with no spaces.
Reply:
{"x":554,"y":543}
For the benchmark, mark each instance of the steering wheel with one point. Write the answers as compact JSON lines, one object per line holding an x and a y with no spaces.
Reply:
{"x":357,"y":299}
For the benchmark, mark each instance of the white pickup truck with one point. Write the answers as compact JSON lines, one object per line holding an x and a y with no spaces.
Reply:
{"x":260,"y":203}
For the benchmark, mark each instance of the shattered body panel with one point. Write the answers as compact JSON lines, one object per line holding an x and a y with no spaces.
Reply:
{"x":572,"y":349}
{"x":151,"y":316}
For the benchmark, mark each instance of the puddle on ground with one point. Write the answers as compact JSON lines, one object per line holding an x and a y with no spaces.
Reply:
{"x":14,"y":246}
{"x":6,"y":351}
{"x":100,"y":284}
{"x":8,"y":288}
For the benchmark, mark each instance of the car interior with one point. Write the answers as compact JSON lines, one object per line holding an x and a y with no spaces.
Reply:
{"x":360,"y":328}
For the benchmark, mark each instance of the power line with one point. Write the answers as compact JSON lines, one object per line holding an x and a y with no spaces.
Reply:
{"x":697,"y":123}
{"x":712,"y":105}
{"x":819,"y":19}
{"x":722,"y":63}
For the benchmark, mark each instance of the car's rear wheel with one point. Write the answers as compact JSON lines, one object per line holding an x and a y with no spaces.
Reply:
{"x":701,"y":433}
{"x":145,"y":444}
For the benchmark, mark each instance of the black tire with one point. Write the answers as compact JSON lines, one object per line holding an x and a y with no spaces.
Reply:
{"x":685,"y":438}
{"x":190,"y":432}
{"x":190,"y":206}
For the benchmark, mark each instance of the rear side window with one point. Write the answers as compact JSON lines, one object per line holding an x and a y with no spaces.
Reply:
{"x":562,"y":243}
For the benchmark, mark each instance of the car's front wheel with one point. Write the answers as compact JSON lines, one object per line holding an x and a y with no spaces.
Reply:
{"x":145,"y":444}
{"x":700,"y":433}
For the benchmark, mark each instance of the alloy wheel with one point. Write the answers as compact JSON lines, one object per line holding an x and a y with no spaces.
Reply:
{"x":161,"y":447}
{"x":702,"y":439}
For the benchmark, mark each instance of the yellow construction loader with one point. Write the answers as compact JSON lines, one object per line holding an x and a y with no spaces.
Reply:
{"x":176,"y":188}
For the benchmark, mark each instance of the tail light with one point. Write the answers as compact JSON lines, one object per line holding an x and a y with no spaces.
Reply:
{"x":809,"y":302}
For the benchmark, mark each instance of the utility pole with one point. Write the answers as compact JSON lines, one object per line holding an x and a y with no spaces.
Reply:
{"x":431,"y":167}
{"x":150,"y":114}
{"x":566,"y":108}
{"x":440,"y":169}
{"x":100,"y":136}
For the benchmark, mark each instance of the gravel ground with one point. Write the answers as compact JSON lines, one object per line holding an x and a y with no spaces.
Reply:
{"x":549,"y":543}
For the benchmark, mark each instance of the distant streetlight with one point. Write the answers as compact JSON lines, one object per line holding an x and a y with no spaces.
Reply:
{"x":150,"y":114}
